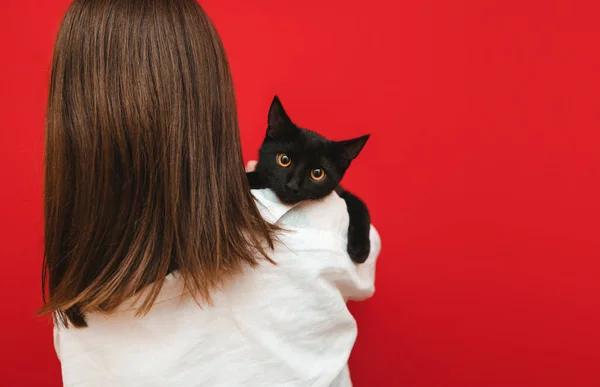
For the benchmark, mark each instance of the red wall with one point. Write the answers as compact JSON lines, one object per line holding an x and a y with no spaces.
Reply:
{"x":482,"y":174}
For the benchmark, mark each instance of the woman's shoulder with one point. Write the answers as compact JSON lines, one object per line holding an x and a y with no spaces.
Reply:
{"x":326,"y":214}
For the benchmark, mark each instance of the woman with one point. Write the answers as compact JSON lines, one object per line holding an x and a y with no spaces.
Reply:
{"x":162,"y":268}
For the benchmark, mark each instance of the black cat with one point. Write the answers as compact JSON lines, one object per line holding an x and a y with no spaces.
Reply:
{"x":298,"y":164}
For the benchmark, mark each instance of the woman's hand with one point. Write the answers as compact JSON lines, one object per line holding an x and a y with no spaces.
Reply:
{"x":251,"y":166}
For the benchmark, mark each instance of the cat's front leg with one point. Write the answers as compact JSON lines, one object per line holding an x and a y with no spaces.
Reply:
{"x":256,"y":181}
{"x":359,"y":243}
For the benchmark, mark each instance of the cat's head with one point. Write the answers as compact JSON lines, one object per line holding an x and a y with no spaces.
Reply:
{"x":300,"y":164}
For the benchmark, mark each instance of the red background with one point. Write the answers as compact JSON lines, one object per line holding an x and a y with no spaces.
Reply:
{"x":482,"y":174}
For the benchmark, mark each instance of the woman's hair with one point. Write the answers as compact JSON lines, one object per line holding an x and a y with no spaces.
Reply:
{"x":143,"y":172}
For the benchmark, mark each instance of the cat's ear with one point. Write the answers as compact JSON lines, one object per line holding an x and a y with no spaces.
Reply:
{"x":349,"y":149}
{"x":279,"y":122}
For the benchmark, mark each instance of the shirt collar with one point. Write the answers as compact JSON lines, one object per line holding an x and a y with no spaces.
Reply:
{"x":269,"y":205}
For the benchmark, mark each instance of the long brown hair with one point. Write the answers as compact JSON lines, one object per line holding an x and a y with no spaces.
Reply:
{"x":143,"y":171}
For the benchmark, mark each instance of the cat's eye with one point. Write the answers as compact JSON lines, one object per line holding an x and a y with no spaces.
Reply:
{"x":317,"y":174}
{"x":284,"y":160}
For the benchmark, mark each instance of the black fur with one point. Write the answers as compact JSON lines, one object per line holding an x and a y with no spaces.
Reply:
{"x":309,"y":150}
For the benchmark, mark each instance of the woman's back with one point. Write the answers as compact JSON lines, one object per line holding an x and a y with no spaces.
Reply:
{"x":276,"y":325}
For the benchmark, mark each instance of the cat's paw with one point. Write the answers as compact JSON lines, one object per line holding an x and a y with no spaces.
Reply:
{"x":359,"y":250}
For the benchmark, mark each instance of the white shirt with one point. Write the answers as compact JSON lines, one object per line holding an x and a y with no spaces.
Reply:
{"x":275,"y":325}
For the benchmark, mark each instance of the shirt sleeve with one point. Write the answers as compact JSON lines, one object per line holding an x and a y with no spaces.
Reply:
{"x":320,"y":228}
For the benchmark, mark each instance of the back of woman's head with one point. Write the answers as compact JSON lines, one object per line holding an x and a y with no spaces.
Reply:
{"x":144,"y":173}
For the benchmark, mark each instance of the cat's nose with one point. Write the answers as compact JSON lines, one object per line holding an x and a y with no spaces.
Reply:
{"x":292,"y":186}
